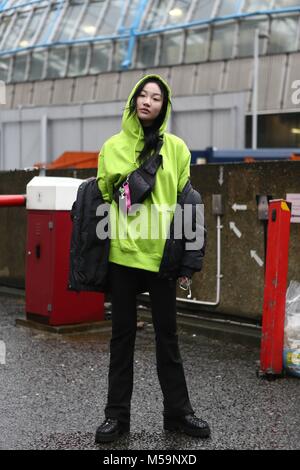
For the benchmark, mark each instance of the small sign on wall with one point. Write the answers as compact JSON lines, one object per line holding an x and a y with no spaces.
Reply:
{"x":294,"y":198}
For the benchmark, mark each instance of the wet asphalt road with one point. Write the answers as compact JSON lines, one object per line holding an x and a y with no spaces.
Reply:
{"x":53,"y":390}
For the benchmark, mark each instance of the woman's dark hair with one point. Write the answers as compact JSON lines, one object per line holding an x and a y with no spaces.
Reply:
{"x":151,"y":134}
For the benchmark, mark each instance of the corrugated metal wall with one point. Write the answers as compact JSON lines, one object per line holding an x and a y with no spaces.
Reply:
{"x":209,"y":106}
{"x":86,"y":127}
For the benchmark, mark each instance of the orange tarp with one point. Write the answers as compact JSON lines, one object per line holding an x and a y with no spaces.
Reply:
{"x":73,"y":160}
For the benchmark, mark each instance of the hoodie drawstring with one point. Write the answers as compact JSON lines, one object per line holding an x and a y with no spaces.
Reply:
{"x":137,"y":141}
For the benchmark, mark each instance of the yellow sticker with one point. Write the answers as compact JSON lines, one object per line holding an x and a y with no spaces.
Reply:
{"x":284,"y":206}
{"x":293,"y":358}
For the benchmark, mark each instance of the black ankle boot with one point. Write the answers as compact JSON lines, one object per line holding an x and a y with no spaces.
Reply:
{"x":110,"y":430}
{"x":188,"y":424}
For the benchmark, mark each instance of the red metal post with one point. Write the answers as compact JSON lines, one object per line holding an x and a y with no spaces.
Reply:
{"x":12,"y":200}
{"x":275,"y":288}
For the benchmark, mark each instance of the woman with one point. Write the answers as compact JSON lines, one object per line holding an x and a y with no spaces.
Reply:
{"x":143,"y":263}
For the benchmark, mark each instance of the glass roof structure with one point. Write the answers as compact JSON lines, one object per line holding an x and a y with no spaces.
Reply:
{"x":42,"y":39}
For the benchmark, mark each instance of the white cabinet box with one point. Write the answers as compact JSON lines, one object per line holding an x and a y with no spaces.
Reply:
{"x":51,"y":193}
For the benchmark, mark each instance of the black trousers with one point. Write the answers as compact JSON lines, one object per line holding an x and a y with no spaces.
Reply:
{"x":124,"y":283}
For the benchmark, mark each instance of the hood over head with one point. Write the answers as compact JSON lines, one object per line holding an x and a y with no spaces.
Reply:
{"x":131,"y":124}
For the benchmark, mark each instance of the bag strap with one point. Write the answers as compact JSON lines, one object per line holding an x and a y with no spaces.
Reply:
{"x":148,"y":163}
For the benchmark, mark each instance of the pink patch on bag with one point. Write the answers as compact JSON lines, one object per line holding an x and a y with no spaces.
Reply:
{"x":127,"y":195}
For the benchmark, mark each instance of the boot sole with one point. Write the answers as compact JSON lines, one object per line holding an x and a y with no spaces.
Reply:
{"x":172,"y":427}
{"x":100,"y":438}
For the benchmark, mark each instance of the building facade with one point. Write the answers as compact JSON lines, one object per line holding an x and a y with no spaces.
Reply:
{"x":66,"y":68}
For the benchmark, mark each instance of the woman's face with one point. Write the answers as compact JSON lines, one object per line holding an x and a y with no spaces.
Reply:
{"x":149,"y":103}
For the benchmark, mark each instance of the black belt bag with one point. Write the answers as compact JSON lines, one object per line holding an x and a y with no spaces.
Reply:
{"x":139,"y":184}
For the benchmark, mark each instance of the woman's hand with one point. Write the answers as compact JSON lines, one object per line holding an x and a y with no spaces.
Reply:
{"x":184,"y":282}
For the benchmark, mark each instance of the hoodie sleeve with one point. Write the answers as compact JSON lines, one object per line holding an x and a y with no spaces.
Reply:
{"x":183,"y":167}
{"x":194,"y":250}
{"x":102,"y":178}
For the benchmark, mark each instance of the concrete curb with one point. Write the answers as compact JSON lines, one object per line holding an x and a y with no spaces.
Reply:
{"x":95,"y":327}
{"x":214,"y":328}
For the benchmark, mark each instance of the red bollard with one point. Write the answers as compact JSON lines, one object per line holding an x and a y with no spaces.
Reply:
{"x":12,"y":200}
{"x":271,"y":352}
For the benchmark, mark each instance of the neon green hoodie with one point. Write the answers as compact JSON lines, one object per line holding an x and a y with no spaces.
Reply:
{"x":118,"y":158}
